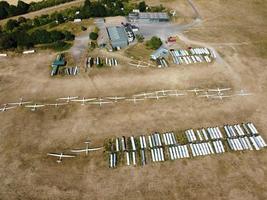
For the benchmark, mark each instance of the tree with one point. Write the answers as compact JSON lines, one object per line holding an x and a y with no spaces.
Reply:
{"x":7,"y":42}
{"x":154,"y":43}
{"x":57,"y":17}
{"x":23,"y":39}
{"x":56,"y":36}
{"x":41,"y":37}
{"x":4,"y":6}
{"x":142,"y":6}
{"x":22,"y":20}
{"x":140,"y":38}
{"x":11,"y":24}
{"x":69,"y":36}
{"x":22,"y":7}
{"x":93,"y":36}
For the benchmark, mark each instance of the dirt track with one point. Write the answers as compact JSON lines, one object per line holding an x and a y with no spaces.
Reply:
{"x":25,"y":137}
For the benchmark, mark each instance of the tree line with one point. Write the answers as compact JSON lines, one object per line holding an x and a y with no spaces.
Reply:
{"x":8,"y":10}
{"x":24,"y":33}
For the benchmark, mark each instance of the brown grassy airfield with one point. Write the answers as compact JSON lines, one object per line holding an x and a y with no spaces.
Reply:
{"x":25,"y":137}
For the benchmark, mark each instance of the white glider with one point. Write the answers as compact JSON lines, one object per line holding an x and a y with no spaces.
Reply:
{"x":21,"y":102}
{"x":60,"y":156}
{"x":69,"y":98}
{"x":34,"y":106}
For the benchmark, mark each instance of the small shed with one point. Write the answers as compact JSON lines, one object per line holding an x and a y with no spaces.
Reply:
{"x":159,"y":53}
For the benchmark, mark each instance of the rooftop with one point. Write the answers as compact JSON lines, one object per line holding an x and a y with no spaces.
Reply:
{"x":117,"y":33}
{"x":153,"y":15}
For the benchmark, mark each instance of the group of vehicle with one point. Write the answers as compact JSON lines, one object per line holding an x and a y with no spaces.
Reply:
{"x":161,"y":62}
{"x":90,"y":62}
{"x":193,"y":55}
{"x":72,"y":70}
{"x":239,"y":138}
{"x":202,"y":142}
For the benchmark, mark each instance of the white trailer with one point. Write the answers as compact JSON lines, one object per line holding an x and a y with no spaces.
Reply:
{"x":141,"y":142}
{"x":133,"y":143}
{"x":248,"y":143}
{"x":162,"y":154}
{"x":144,"y":142}
{"x":210,"y":147}
{"x":123,"y":146}
{"x":117,"y":145}
{"x":150,"y":141}
{"x":254,"y":143}
{"x":153,"y":154}
{"x":170,"y":153}
{"x":199,"y":135}
{"x":254,"y":128}
{"x":127,"y":158}
{"x":193,"y":150}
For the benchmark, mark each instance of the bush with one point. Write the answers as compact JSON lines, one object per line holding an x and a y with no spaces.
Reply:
{"x":83,"y":28}
{"x":140,"y":38}
{"x":60,"y":46}
{"x":154,"y":43}
{"x":93,"y":36}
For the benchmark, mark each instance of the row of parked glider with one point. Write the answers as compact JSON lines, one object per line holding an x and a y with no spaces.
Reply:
{"x":74,"y":152}
{"x":218,"y":93}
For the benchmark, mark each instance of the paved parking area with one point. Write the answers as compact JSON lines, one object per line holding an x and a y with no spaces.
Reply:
{"x":163,"y":29}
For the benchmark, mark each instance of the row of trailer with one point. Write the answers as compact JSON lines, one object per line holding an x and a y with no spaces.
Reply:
{"x":90,"y":62}
{"x":201,"y":142}
{"x":199,"y":51}
{"x":154,"y":140}
{"x":238,"y":130}
{"x":201,"y":149}
{"x":178,"y":152}
{"x":162,"y":63}
{"x":182,"y":58}
{"x":72,"y":70}
{"x":124,"y":144}
{"x":203,"y":134}
{"x":215,"y":133}
{"x":130,"y":158}
{"x":246,"y":143}
{"x":257,"y":142}
{"x":169,"y":138}
{"x":218,"y":146}
{"x":239,"y":144}
{"x":157,"y":154}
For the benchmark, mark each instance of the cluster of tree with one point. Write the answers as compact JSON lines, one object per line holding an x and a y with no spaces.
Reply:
{"x":7,"y":10}
{"x":104,"y":8}
{"x":143,"y":7}
{"x":154,"y":43}
{"x":25,"y":24}
{"x":23,"y":32}
{"x":45,"y":4}
{"x":22,"y":39}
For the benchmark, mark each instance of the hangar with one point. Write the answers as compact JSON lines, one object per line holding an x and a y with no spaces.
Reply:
{"x":117,"y":36}
{"x":148,"y":17}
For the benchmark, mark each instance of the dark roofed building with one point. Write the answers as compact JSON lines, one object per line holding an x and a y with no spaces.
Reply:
{"x":118,"y":37}
{"x":149,"y":17}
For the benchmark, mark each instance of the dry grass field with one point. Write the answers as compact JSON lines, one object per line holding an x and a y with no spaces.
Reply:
{"x":236,"y":29}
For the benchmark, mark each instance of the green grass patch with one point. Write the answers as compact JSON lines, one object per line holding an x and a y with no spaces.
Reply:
{"x":138,"y":51}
